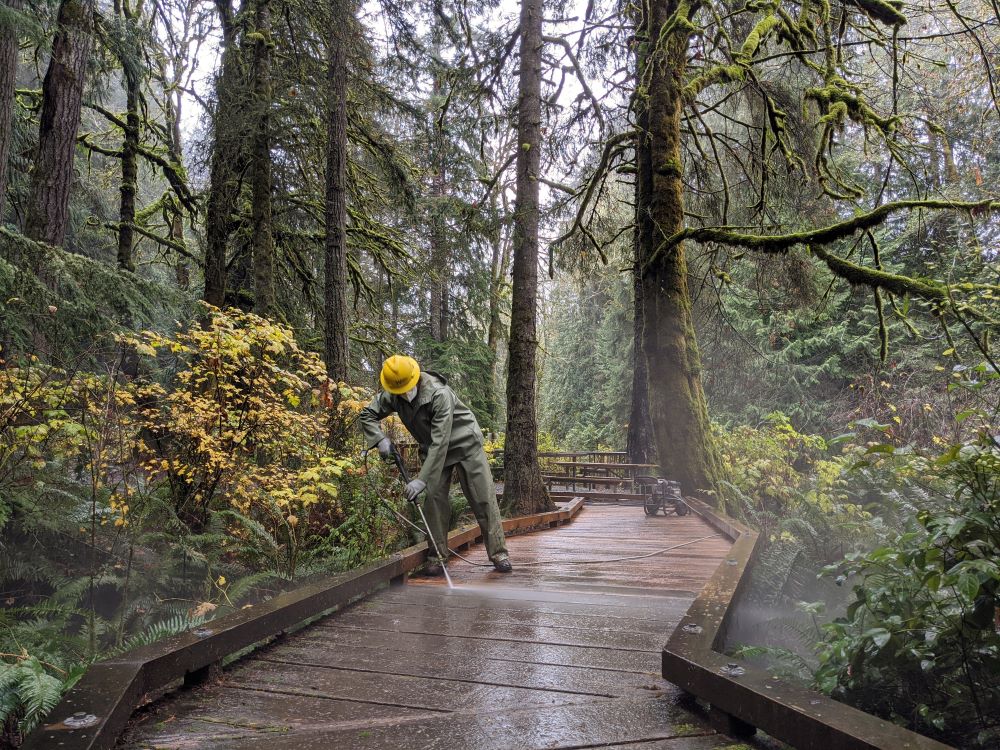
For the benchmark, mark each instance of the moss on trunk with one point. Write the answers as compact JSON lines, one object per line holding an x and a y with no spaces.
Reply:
{"x":678,"y":409}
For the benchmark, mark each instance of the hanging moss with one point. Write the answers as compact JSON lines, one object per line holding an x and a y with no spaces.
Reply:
{"x":718,"y":74}
{"x":824,"y":235}
{"x":64,"y":306}
{"x":839,"y":100}
{"x":735,"y":72}
{"x":757,"y":35}
{"x":935,"y":292}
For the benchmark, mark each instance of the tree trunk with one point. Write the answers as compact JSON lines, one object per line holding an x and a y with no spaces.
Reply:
{"x":130,"y":174}
{"x":62,"y":95}
{"x":640,"y":440}
{"x":524,"y":491}
{"x":499,"y":263}
{"x":262,"y":238}
{"x":226,"y":154}
{"x":440,"y":257}
{"x":335,"y":338}
{"x":130,"y":360}
{"x":677,"y":405}
{"x":440,"y":266}
{"x":8,"y":79}
{"x":173,"y":213}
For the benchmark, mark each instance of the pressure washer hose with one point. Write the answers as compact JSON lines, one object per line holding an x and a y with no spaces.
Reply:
{"x":408,"y":522}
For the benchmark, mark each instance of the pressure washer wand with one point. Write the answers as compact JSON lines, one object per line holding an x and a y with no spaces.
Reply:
{"x":406,"y":478}
{"x":398,"y":458}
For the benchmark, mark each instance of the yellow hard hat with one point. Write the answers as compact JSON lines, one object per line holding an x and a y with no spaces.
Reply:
{"x":399,"y":374}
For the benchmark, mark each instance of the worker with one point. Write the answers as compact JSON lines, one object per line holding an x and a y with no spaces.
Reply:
{"x":449,"y":438}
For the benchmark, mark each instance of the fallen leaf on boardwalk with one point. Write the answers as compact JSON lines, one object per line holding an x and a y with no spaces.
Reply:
{"x":203,"y":609}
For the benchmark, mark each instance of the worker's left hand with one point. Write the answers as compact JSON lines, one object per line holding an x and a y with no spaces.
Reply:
{"x":384,"y":448}
{"x":414,"y":488}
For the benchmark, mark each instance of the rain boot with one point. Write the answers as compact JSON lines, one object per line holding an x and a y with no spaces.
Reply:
{"x":502,"y":563}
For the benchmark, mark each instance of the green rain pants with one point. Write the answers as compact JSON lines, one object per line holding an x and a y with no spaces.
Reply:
{"x":479,"y":489}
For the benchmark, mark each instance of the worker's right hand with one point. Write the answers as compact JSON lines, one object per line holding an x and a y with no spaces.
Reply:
{"x":385,"y":448}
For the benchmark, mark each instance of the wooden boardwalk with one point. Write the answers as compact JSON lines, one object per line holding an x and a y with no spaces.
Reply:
{"x":552,"y":656}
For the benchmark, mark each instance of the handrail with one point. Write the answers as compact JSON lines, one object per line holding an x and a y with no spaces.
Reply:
{"x":96,"y":710}
{"x":744,"y":698}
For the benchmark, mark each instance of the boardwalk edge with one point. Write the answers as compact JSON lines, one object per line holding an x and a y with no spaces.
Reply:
{"x":744,"y":698}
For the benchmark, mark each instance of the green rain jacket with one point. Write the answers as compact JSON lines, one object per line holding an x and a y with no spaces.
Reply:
{"x":445,"y":428}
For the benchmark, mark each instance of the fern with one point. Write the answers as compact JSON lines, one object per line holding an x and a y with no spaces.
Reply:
{"x":29,"y":693}
{"x":160,"y":630}
{"x":780,"y":661}
{"x":265,"y":539}
{"x":244,"y":585}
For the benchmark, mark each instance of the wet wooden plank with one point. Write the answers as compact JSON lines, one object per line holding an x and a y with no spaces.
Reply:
{"x":504,"y":616}
{"x":608,"y":534}
{"x":497,"y":596}
{"x":428,"y":623}
{"x":596,"y":724}
{"x":444,"y":646}
{"x":706,"y":742}
{"x":464,"y":667}
{"x":428,"y":694}
{"x":213,"y":715}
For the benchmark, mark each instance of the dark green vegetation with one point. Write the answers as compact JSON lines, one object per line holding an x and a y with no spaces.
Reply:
{"x":773,"y":265}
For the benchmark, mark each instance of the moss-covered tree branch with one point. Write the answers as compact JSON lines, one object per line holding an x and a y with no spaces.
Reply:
{"x":612,"y":147}
{"x":816,"y":239}
{"x":780,"y":243}
{"x":857,"y":275}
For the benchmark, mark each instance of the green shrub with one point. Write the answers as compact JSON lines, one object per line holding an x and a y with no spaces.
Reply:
{"x":920,"y":641}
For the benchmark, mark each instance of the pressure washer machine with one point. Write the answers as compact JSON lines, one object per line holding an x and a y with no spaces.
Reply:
{"x":662,"y":495}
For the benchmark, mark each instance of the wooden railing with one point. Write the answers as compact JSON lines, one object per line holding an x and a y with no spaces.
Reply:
{"x":743,"y":698}
{"x":95,"y":711}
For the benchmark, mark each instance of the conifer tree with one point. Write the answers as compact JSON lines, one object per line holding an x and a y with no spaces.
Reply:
{"x":523,"y":487}
{"x":8,"y":79}
{"x":262,"y":238}
{"x":335,"y":285}
{"x":228,"y":153}
{"x":130,"y":58}
{"x":62,"y":97}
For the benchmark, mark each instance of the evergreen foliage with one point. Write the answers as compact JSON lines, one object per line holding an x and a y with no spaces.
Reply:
{"x":67,"y":306}
{"x":586,"y":376}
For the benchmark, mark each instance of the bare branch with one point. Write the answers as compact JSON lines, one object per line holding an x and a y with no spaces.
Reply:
{"x":579,"y":74}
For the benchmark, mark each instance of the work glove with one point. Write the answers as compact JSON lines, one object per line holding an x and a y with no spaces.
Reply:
{"x":413,"y":489}
{"x":385,"y":448}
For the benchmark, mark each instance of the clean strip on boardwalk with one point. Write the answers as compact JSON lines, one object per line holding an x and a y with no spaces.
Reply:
{"x":558,"y":655}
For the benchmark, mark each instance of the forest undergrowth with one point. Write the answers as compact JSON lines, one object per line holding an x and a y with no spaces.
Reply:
{"x":879,"y":574}
{"x":203,"y":470}
{"x":771,"y":237}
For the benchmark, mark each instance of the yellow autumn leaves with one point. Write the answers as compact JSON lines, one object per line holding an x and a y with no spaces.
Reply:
{"x":229,"y":414}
